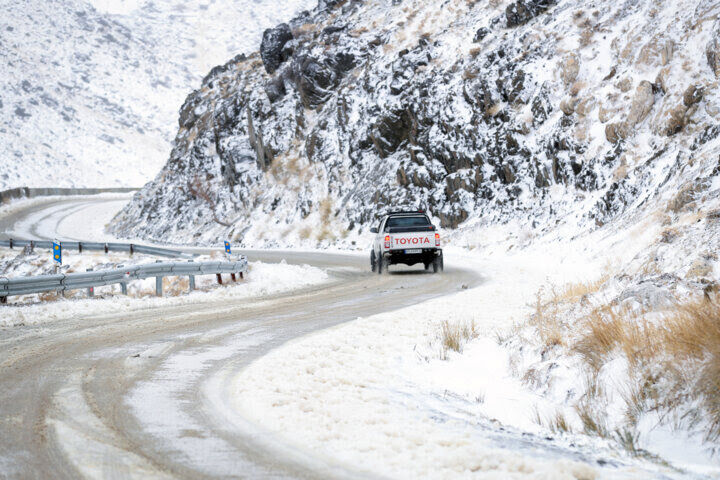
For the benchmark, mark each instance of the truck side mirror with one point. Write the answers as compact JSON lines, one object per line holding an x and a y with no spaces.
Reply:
{"x":374,"y":230}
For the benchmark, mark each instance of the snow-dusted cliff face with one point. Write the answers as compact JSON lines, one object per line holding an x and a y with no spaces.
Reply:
{"x":481,"y":111}
{"x":90,"y":89}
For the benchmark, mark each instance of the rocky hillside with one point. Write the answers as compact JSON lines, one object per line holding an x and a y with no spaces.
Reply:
{"x":541,"y":112}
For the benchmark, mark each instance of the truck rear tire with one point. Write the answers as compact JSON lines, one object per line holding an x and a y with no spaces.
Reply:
{"x":436,"y":265}
{"x":373,"y":263}
{"x":381,"y":265}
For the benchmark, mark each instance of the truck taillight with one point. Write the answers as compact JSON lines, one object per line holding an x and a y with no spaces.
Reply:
{"x":387,"y":241}
{"x":437,"y":239}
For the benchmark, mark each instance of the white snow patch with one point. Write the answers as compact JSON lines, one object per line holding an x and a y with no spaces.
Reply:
{"x":262,"y":279}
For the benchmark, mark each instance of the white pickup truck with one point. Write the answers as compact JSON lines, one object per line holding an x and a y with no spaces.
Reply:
{"x":408,"y":238}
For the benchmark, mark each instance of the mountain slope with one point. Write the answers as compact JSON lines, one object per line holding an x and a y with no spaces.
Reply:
{"x":89,"y":94}
{"x":535,"y":111}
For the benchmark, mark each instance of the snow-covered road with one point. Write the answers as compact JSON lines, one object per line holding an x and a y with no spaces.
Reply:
{"x":340,"y":375}
{"x":143,"y":392}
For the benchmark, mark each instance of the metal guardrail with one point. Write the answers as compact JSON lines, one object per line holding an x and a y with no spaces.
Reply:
{"x":98,"y":247}
{"x":120,"y":275}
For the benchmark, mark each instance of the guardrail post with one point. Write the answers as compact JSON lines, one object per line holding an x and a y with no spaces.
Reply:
{"x":61,"y":291}
{"x":158,"y":284}
{"x":79,"y":247}
{"x":132,"y":249}
{"x":234,"y":279}
{"x":192,"y":279}
{"x":11,"y":246}
{"x":90,"y":290}
{"x":3,"y":300}
{"x":123,"y":285}
{"x":106,"y":248}
{"x":241,"y":275}
{"x":219,"y":278}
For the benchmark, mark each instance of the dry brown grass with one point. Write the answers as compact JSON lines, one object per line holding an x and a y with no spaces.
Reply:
{"x":556,"y":423}
{"x":475,"y":52}
{"x":576,"y":291}
{"x":49,"y":296}
{"x":305,"y":232}
{"x":175,"y":286}
{"x":607,"y":330}
{"x":454,"y":336}
{"x":673,"y":358}
{"x":547,"y":321}
{"x":586,"y":37}
{"x":692,"y":337}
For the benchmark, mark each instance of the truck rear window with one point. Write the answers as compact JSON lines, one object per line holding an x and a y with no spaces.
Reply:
{"x":414,"y":221}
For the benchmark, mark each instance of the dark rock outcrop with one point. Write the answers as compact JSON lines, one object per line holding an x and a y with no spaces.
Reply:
{"x":273,"y":49}
{"x":522,"y":11}
{"x":480,"y":34}
{"x":712,"y":52}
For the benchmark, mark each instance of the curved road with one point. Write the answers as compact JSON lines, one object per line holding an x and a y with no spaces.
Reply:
{"x":140,"y":393}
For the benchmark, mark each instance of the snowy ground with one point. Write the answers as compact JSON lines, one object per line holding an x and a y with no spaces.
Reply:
{"x":91,"y":89}
{"x":262,"y":279}
{"x":385,"y":388}
{"x":85,"y":219}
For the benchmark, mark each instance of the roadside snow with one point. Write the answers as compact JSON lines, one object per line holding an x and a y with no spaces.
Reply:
{"x":262,"y":279}
{"x":377,"y":388}
{"x":384,"y":388}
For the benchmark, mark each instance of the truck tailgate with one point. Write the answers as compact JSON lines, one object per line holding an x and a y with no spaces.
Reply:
{"x":412,"y":240}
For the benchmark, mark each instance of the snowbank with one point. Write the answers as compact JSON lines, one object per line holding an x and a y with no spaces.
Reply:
{"x":377,"y":389}
{"x":262,"y":279}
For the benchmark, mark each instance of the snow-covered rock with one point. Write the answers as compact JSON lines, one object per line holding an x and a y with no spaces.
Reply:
{"x":379,"y":104}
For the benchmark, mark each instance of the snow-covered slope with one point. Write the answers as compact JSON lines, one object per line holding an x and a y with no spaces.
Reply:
{"x":582,"y":134}
{"x":483,"y":112}
{"x":90,"y":90}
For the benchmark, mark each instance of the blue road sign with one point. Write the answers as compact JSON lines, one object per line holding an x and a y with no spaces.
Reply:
{"x":227,"y":248}
{"x":57,"y":251}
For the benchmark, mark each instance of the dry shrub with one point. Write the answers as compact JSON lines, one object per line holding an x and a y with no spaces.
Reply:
{"x":326,"y":207}
{"x":547,"y":322}
{"x":607,"y":330}
{"x":495,"y":109}
{"x":556,"y":423}
{"x":576,"y":291}
{"x":326,"y":233}
{"x":692,"y":336}
{"x":454,"y":336}
{"x":49,"y":296}
{"x":586,"y":37}
{"x":305,"y":232}
{"x":175,"y":286}
{"x":673,"y":363}
{"x":470,"y":73}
